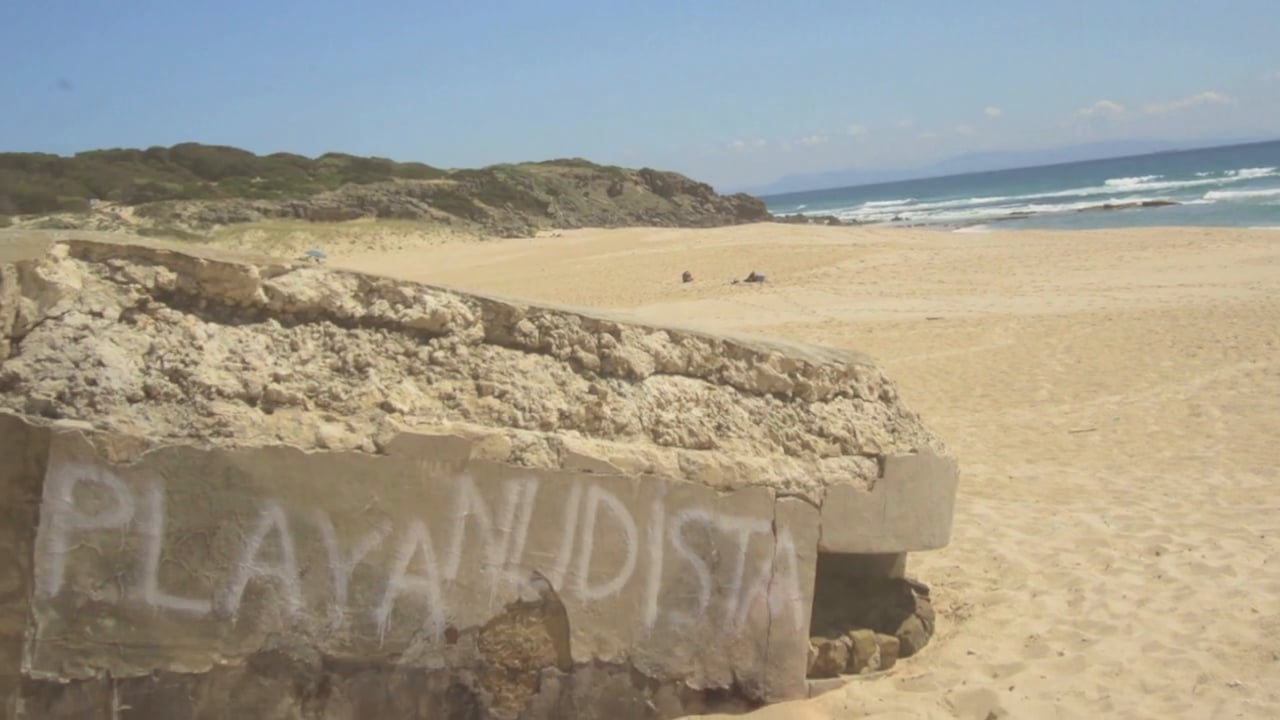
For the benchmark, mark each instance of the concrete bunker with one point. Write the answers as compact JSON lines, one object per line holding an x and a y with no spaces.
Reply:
{"x":266,"y":489}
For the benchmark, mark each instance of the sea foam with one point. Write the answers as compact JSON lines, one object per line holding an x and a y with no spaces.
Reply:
{"x":990,"y":197}
{"x":1128,"y":182}
{"x":1242,"y":194}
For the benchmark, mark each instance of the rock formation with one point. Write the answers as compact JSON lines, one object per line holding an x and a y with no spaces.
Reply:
{"x":273,"y":489}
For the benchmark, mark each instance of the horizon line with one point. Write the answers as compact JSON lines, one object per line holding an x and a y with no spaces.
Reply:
{"x":913,"y":178}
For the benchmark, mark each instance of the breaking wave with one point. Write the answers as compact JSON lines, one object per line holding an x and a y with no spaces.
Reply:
{"x":1119,"y":191}
{"x":1129,"y":182}
{"x":1241,"y":194}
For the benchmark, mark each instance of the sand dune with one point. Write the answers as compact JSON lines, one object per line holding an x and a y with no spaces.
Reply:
{"x":1114,"y":399}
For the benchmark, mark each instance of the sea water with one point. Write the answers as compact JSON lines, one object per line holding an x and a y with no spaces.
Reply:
{"x":1233,"y":186}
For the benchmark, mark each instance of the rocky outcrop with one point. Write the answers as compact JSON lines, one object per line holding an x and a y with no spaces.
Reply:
{"x":1130,"y":205}
{"x":801,"y":219}
{"x":276,"y":490}
{"x":149,"y":340}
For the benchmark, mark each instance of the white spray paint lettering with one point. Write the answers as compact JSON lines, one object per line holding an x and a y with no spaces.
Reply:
{"x":283,"y":570}
{"x":153,"y":532}
{"x":598,"y":497}
{"x":653,"y":587}
{"x":417,"y":542}
{"x":787,"y":593}
{"x":63,"y":518}
{"x":567,"y":530}
{"x":700,"y":568}
{"x":530,"y":493}
{"x":742,"y":529}
{"x":410,"y":582}
{"x":342,"y":565}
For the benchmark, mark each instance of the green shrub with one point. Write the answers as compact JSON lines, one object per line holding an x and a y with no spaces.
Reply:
{"x":73,"y":204}
{"x":457,"y":203}
{"x":34,"y":183}
{"x":169,"y":232}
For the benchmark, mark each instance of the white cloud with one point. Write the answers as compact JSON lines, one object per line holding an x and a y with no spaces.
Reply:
{"x":1208,"y":97}
{"x":744,"y":145}
{"x":855,"y":130}
{"x":964,"y":130}
{"x":813,"y":139}
{"x":906,"y":123}
{"x":992,"y":111}
{"x":928,"y":136}
{"x":1102,"y":108}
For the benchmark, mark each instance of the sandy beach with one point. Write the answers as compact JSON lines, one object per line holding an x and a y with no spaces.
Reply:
{"x":1113,"y":398}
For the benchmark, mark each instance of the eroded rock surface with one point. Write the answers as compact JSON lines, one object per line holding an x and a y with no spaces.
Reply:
{"x":168,"y":345}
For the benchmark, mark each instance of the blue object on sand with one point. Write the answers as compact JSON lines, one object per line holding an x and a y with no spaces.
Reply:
{"x":318,"y":254}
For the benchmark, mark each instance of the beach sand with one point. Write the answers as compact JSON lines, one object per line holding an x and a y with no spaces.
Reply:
{"x":1113,"y":398}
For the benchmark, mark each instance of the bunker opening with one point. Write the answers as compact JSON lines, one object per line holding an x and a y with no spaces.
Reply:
{"x":866,"y":614}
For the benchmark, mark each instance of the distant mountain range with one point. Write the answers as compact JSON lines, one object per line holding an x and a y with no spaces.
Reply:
{"x":980,"y":162}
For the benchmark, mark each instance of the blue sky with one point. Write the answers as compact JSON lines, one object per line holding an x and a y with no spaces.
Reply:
{"x":733,"y":93}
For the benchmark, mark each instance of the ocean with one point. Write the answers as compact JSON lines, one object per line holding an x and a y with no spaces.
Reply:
{"x":1233,"y":186}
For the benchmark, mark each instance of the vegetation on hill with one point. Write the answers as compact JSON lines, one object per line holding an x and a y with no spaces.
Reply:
{"x":191,"y":189}
{"x":35,"y":183}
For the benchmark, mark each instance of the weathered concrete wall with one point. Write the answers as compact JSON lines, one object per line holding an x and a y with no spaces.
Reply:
{"x":23,"y":458}
{"x":181,"y":544}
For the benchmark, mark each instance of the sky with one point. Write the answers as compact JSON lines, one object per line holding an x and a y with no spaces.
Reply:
{"x":735,"y":93}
